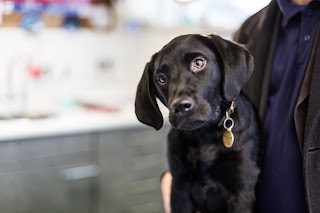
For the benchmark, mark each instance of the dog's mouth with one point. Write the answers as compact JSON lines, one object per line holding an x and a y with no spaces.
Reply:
{"x":187,"y":123}
{"x":195,"y":119}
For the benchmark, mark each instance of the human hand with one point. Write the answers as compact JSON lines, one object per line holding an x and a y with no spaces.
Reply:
{"x":166,"y":183}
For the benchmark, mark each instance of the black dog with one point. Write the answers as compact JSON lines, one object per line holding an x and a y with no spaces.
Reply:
{"x":198,"y":79}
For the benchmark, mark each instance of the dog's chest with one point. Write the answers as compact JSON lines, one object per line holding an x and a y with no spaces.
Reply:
{"x":212,"y":160}
{"x":202,"y":150}
{"x":208,"y":165}
{"x":202,"y":156}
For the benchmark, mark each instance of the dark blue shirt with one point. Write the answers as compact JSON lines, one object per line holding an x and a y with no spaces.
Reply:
{"x":281,"y":188}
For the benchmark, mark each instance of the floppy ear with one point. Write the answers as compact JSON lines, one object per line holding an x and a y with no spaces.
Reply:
{"x":146,"y":107}
{"x":237,"y":66}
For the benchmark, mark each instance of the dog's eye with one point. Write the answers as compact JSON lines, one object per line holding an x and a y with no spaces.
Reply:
{"x":161,"y":79}
{"x":198,"y":64}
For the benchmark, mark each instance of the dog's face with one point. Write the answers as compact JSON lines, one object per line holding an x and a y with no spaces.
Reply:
{"x":192,"y":75}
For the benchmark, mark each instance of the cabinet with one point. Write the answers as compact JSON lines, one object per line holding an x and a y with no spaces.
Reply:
{"x":131,"y":165}
{"x":109,"y":171}
{"x":33,"y":175}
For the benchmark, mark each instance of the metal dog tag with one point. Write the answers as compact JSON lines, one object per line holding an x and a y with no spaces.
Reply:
{"x":228,"y":137}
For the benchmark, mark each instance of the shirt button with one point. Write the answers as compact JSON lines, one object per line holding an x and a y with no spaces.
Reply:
{"x":310,"y":12}
{"x":306,"y":37}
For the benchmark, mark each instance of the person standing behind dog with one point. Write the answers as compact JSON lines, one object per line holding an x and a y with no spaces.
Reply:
{"x":284,"y":38}
{"x":285,"y":88}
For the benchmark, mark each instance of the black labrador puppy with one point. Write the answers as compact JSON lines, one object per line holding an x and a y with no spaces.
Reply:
{"x":214,"y":145}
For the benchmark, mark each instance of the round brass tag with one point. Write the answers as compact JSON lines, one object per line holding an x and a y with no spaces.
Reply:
{"x":228,"y":139}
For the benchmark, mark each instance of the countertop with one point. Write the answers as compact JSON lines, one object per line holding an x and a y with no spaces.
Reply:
{"x":70,"y":122}
{"x":77,"y":120}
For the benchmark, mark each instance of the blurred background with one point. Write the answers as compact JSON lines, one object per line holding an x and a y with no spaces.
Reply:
{"x":69,"y":139}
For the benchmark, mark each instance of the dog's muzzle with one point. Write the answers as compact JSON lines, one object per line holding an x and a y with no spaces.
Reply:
{"x":181,"y":107}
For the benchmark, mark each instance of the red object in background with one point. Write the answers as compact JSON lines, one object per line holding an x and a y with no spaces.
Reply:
{"x":52,"y":1}
{"x":36,"y":72}
{"x":101,"y":108}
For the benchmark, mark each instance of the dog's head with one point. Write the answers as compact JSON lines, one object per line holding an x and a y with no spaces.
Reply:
{"x":192,"y":75}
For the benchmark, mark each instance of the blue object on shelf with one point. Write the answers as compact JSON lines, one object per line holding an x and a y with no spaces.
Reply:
{"x":32,"y":22}
{"x":71,"y":21}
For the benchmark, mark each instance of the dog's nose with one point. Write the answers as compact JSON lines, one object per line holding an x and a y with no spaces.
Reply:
{"x":181,"y":106}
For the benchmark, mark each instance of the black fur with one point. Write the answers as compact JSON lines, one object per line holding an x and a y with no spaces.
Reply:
{"x":206,"y":175}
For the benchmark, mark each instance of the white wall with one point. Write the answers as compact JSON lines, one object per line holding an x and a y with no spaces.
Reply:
{"x":90,"y":63}
{"x":72,"y":61}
